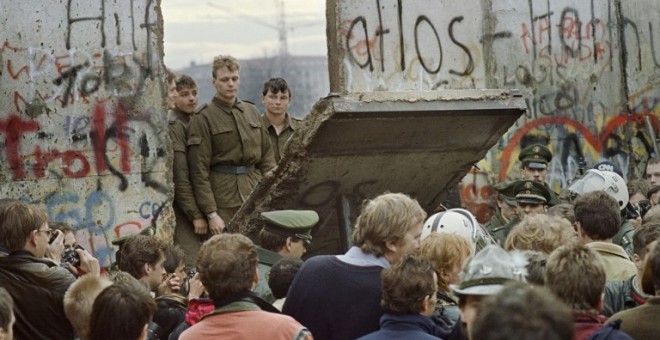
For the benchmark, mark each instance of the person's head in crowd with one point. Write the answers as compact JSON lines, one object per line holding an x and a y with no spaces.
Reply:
{"x":638,"y":201}
{"x":597,"y":216}
{"x":67,"y":231}
{"x":227,"y":265}
{"x":171,"y":88}
{"x":174,"y":262}
{"x":506,"y":200}
{"x":281,"y":275}
{"x":186,"y":99}
{"x":7,"y":317}
{"x":390,"y":225}
{"x":532,"y":198}
{"x":534,"y":160}
{"x":637,"y":190}
{"x":143,"y":257}
{"x":121,"y":311}
{"x":652,"y":215}
{"x":24,"y":226}
{"x":654,"y":195}
{"x":651,"y":276}
{"x":540,"y":232}
{"x":4,"y":203}
{"x":521,"y":311}
{"x":484,"y":275}
{"x":642,"y":239}
{"x":276,"y":96}
{"x":79,"y":299}
{"x":536,"y":262}
{"x":449,"y":253}
{"x":652,"y":175}
{"x":226,"y":78}
{"x":409,"y":286}
{"x":460,"y":222}
{"x":287,"y":232}
{"x":565,"y":210}
{"x":576,"y":275}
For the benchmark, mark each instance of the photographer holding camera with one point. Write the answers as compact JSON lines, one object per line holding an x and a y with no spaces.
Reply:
{"x":37,"y":284}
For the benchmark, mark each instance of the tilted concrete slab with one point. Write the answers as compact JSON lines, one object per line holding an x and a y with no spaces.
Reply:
{"x":356,"y":146}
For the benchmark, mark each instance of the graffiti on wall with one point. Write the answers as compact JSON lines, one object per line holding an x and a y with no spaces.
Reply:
{"x":589,"y":71}
{"x":82,"y":117}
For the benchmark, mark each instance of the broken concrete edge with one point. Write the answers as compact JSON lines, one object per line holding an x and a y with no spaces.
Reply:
{"x":246,"y":220}
{"x":284,"y":181}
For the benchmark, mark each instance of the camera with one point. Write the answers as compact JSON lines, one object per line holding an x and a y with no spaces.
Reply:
{"x":53,"y":236}
{"x":71,"y":256}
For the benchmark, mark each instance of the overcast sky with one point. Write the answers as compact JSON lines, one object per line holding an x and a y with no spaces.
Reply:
{"x":197,"y":30}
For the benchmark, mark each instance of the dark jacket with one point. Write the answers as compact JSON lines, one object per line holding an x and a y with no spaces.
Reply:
{"x":170,"y":312}
{"x":38,"y":288}
{"x":403,"y":326}
{"x":622,"y":295}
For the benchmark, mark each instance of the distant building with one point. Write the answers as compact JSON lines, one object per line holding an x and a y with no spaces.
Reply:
{"x":307,"y":77}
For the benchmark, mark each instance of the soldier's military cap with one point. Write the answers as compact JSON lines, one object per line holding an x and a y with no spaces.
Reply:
{"x":535,"y":156}
{"x":532,"y":192}
{"x":506,"y":191}
{"x":291,"y":223}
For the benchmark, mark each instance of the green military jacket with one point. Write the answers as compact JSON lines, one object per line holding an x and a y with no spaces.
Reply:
{"x":227,"y":135}
{"x":554,"y":197}
{"x":500,"y":233}
{"x":495,"y":221}
{"x":184,"y":199}
{"x":279,"y":141}
{"x":624,"y":237}
{"x":266,"y":261}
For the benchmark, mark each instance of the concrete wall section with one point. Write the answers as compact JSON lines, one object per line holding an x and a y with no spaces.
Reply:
{"x":399,"y":45}
{"x":590,"y":70}
{"x":82,"y":115}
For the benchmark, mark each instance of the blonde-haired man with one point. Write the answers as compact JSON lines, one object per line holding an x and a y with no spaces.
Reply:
{"x":79,"y":299}
{"x":229,"y":150}
{"x":338,"y":297}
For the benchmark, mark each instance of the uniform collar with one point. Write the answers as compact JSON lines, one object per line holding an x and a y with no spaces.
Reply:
{"x":176,"y":114}
{"x":288,"y":122}
{"x":227,"y":108}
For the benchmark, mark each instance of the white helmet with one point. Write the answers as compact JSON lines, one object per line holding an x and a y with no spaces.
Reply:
{"x":460,"y":222}
{"x":607,"y":181}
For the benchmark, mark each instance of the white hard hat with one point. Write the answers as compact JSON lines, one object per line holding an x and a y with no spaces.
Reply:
{"x":608,"y":181}
{"x":453,"y":221}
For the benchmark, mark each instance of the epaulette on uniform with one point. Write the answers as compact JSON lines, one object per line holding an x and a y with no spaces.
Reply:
{"x":249,"y":102}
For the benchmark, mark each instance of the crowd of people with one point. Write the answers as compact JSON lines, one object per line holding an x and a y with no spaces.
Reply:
{"x":580,"y":264}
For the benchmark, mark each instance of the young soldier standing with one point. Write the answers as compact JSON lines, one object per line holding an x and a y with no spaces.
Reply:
{"x":228,"y":148}
{"x":190,"y":222}
{"x":276,"y":98}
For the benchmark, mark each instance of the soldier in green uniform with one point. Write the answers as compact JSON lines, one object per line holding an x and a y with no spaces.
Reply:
{"x":285,"y":233}
{"x":534,"y":160}
{"x":191,"y":226}
{"x":506,"y":206}
{"x":532,"y":198}
{"x":228,"y":148}
{"x":276,"y":98}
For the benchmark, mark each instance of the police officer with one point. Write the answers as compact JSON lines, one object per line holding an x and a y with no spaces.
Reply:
{"x":532,"y":198}
{"x":228,"y":148}
{"x":191,"y":226}
{"x":285,"y":233}
{"x":534,"y":160}
{"x":506,"y":206}
{"x":276,"y":97}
